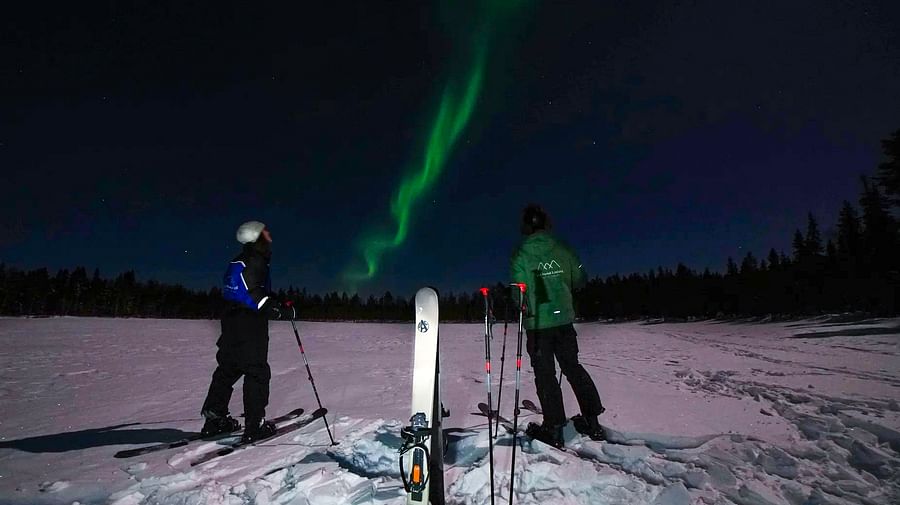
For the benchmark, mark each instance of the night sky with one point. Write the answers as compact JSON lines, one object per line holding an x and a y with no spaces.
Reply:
{"x":138,"y":135}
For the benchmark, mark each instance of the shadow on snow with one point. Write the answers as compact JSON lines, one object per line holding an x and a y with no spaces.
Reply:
{"x":95,"y":437}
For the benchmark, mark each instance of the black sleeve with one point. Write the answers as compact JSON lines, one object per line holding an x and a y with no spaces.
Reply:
{"x":255,"y":275}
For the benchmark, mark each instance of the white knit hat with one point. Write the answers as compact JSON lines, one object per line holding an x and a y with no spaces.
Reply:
{"x":249,"y":231}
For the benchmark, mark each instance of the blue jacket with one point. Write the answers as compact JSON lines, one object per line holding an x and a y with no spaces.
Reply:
{"x":247,"y":280}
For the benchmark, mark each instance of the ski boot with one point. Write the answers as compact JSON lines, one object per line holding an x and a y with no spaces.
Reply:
{"x":216,"y":424}
{"x":550,"y":435}
{"x":589,"y":426}
{"x":257,"y":430}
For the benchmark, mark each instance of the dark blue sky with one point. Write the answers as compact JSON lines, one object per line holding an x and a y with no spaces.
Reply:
{"x":140,"y":136}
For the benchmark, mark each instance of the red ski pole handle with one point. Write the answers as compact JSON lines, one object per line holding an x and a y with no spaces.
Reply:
{"x":484,"y":292}
{"x":521,"y":285}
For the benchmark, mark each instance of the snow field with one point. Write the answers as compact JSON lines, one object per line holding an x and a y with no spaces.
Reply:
{"x":710,"y":413}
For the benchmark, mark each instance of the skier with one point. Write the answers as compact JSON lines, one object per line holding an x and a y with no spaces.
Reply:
{"x":551,"y":271}
{"x":244,"y":343}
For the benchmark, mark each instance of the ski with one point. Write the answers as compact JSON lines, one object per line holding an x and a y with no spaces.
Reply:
{"x":508,"y":425}
{"x":483,"y":410}
{"x":512,"y":428}
{"x":578,"y":421}
{"x":293,"y":425}
{"x":422,"y":454}
{"x":130,"y":453}
{"x":530,"y":406}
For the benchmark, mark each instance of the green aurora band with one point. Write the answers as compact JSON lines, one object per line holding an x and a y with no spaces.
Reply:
{"x":453,"y":114}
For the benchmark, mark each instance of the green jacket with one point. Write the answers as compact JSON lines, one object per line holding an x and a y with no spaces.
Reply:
{"x":551,"y":270}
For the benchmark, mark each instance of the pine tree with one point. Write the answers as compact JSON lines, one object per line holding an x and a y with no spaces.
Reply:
{"x":879,"y":235}
{"x":731,"y":268}
{"x":749,"y":265}
{"x":831,"y":252}
{"x":783,"y":260}
{"x":813,"y":240}
{"x":774,"y":261}
{"x":889,"y":171}
{"x":799,"y":245}
{"x":849,"y":234}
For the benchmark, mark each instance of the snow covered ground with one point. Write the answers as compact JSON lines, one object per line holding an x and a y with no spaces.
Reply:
{"x":718,"y":413}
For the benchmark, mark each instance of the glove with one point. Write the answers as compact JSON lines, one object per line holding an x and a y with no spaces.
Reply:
{"x":285,"y":311}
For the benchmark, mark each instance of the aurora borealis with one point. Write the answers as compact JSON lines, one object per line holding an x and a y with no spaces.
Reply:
{"x":457,"y":104}
{"x":452,"y":116}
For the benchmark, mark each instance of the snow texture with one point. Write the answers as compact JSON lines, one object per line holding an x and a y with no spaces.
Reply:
{"x":738,"y":413}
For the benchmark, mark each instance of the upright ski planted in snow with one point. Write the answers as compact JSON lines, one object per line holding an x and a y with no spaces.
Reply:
{"x":422,"y":454}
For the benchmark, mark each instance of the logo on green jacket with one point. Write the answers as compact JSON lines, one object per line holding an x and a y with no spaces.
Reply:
{"x":549,"y":268}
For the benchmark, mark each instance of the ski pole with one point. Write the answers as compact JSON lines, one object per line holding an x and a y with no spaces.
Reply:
{"x":522,"y":287}
{"x":309,"y":372}
{"x":502,"y":362}
{"x":488,"y":333}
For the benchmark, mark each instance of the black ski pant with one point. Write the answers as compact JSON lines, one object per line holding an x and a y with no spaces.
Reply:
{"x":560,"y":343}
{"x":243,"y":352}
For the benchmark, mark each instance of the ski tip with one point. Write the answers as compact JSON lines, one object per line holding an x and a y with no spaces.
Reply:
{"x":320,"y":412}
{"x":427,"y":291}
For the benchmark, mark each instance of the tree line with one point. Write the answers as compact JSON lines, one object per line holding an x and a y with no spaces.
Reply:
{"x":76,"y":293}
{"x":857,"y":269}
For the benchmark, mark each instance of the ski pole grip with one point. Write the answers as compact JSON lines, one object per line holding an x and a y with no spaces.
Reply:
{"x":521,"y":285}
{"x":484,"y":292}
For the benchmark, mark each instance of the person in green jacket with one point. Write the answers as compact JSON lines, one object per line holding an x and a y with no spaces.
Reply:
{"x":551,"y":270}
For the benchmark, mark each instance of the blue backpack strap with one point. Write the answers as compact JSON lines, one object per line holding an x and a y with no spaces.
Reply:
{"x":236,"y":289}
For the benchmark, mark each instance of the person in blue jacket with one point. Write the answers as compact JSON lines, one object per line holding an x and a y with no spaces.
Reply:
{"x":244,"y":342}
